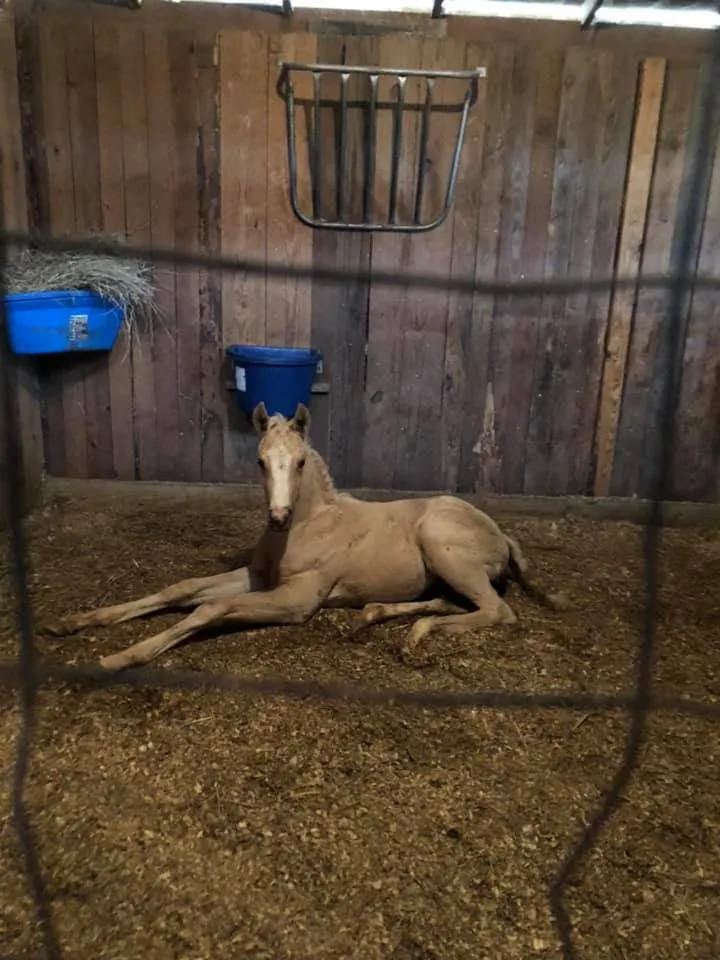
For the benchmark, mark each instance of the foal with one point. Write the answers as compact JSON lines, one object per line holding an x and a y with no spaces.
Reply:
{"x":322,"y":548}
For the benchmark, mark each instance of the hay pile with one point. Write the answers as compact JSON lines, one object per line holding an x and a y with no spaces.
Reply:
{"x":125,"y":282}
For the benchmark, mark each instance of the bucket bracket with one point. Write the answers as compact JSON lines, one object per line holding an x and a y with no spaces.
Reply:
{"x":392,"y":219}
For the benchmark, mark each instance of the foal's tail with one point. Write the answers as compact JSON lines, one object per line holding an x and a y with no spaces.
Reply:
{"x":519,"y":568}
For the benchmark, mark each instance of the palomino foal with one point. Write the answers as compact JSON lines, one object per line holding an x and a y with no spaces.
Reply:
{"x":321,"y":548}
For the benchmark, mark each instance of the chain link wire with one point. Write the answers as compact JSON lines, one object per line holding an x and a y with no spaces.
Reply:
{"x":27,"y":675}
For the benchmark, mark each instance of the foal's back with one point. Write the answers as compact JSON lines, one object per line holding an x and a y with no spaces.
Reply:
{"x":407,"y":513}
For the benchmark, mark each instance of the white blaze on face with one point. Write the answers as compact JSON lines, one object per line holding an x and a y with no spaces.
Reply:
{"x":280,"y":474}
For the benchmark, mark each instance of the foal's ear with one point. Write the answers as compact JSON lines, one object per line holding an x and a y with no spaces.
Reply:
{"x":301,"y":420}
{"x":260,"y":418}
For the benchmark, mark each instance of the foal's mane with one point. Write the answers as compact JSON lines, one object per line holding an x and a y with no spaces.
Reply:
{"x":323,"y":474}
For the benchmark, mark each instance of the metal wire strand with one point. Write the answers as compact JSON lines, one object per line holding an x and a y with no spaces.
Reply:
{"x":92,"y":676}
{"x":378,"y":278}
{"x":28,"y":685}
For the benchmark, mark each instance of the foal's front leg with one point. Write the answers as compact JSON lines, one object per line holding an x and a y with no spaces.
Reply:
{"x":186,"y":593}
{"x":293,"y":602}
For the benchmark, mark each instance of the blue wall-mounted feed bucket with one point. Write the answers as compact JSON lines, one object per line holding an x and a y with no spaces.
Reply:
{"x":279,"y":377}
{"x":61,"y":321}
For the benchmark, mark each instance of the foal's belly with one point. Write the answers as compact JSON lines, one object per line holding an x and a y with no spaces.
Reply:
{"x":386,"y":577}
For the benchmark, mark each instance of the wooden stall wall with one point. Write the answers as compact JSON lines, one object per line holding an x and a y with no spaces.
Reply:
{"x":575,"y":162}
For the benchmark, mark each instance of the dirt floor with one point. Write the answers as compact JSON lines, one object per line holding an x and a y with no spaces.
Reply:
{"x":196,"y":825}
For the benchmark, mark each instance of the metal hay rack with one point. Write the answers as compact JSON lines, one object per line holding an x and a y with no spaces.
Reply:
{"x":368,"y":211}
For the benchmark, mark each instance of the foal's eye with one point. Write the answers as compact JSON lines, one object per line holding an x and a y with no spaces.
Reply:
{"x":301,"y":463}
{"x":261,"y":464}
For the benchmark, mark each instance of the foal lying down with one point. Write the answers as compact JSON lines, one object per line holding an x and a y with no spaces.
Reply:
{"x":321,"y":548}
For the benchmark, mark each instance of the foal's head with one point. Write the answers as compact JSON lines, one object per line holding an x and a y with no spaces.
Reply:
{"x":281,"y":457}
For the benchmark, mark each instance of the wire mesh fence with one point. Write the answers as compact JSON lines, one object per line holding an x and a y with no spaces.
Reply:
{"x":27,"y":674}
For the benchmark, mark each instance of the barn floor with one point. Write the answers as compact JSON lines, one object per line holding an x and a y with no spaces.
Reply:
{"x":193,"y":826}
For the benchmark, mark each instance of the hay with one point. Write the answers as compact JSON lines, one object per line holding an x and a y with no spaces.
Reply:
{"x":125,"y":282}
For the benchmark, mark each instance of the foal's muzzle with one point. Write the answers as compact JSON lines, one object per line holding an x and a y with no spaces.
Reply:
{"x":280,"y":518}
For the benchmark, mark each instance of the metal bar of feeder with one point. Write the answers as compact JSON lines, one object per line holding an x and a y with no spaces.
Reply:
{"x":397,"y":149}
{"x":344,"y":77}
{"x":476,"y":72}
{"x":424,"y":136}
{"x":457,"y":155}
{"x":370,"y":140}
{"x":292,"y":158}
{"x":316,"y":146}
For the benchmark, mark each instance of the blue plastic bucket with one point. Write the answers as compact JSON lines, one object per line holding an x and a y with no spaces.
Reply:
{"x":279,"y":377}
{"x":61,"y":321}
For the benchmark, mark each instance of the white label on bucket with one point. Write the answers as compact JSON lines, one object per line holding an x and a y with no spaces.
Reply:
{"x":78,"y":327}
{"x":319,"y":368}
{"x":240,"y":381}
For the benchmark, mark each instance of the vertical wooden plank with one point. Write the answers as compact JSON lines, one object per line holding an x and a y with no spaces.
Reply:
{"x":112,"y":197}
{"x":162,"y":193}
{"x":566,"y":331}
{"x":513,"y":332}
{"x":701,"y":130}
{"x":289,"y":300}
{"x":212,"y":389}
{"x":390,"y":308}
{"x":609,"y":117}
{"x":92,"y":372}
{"x":347,"y":380}
{"x":530,"y":152}
{"x":696,"y":440}
{"x":65,"y":434}
{"x":696,"y":452}
{"x":419,"y":407}
{"x":82,"y":109}
{"x":617,"y":75}
{"x":632,"y":232}
{"x":629,"y":474}
{"x":67,"y":370}
{"x":577,"y":205}
{"x":340,"y":308}
{"x":13,"y":187}
{"x":458,"y":378}
{"x":479,"y":453}
{"x":187,"y":307}
{"x":27,"y":72}
{"x":546,"y":81}
{"x":134,"y":113}
{"x":243,"y":178}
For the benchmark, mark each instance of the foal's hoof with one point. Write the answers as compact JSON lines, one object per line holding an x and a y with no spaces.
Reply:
{"x":410,"y":656}
{"x":364,"y":619}
{"x":59,"y":628}
{"x":409,"y":646}
{"x":559,"y":601}
{"x":113,"y":663}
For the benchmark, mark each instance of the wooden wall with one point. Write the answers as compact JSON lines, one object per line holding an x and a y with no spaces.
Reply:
{"x":171,"y":132}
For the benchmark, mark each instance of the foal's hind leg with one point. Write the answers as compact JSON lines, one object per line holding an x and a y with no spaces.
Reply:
{"x":461,"y":568}
{"x":380,"y":612}
{"x":490,"y":614}
{"x":186,"y":593}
